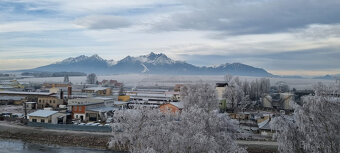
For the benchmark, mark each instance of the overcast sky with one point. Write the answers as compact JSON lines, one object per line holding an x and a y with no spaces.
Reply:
{"x":286,"y":37}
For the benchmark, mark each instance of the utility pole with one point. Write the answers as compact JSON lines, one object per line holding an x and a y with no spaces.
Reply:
{"x":25,"y":109}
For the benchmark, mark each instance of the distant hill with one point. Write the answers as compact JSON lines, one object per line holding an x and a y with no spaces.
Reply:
{"x":151,"y":64}
{"x":328,"y":77}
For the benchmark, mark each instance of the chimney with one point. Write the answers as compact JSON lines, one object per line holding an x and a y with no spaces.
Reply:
{"x":61,"y":94}
{"x":69,"y":92}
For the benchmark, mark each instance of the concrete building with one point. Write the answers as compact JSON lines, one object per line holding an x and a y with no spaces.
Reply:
{"x":278,"y":101}
{"x":30,"y":105}
{"x":80,"y":106}
{"x":172,"y":107}
{"x":55,"y":85}
{"x":47,"y":116}
{"x":16,"y":100}
{"x":51,"y":101}
{"x":30,"y":96}
{"x":220,"y":89}
{"x":100,"y":91}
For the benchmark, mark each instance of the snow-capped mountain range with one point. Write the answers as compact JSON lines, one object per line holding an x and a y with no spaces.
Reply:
{"x":151,"y":63}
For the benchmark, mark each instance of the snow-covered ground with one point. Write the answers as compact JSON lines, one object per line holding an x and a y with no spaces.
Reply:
{"x":133,"y":80}
{"x":11,"y":109}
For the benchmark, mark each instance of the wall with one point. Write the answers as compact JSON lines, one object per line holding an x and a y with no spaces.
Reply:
{"x":60,"y":137}
{"x":72,"y":127}
{"x":47,"y":119}
{"x":55,"y":118}
{"x":220,"y":91}
{"x":49,"y":101}
{"x":168,"y":108}
{"x":123,"y":98}
{"x":267,"y":102}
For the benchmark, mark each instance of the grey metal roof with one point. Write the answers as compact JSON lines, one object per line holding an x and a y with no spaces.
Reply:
{"x":96,"y":88}
{"x":120,"y":102}
{"x":179,"y":105}
{"x":102,"y":109}
{"x":11,"y":97}
{"x":27,"y":93}
{"x":42,"y":113}
{"x":265,"y":125}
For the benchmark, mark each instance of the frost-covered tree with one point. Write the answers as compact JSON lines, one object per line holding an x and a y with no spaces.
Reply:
{"x":141,"y":130}
{"x":258,"y":88}
{"x":314,"y":127}
{"x":91,"y":78}
{"x":200,"y":95}
{"x":198,"y":128}
{"x":235,"y":95}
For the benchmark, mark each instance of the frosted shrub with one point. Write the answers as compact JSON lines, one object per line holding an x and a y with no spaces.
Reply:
{"x":198,"y":128}
{"x":315,"y":127}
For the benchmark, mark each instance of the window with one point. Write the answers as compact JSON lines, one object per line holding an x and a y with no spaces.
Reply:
{"x":54,"y":101}
{"x":42,"y":120}
{"x":49,"y":121}
{"x":76,"y":116}
{"x":34,"y":120}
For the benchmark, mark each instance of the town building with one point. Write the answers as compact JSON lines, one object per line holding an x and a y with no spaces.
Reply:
{"x":55,"y":85}
{"x":50,"y":101}
{"x":16,"y":100}
{"x":80,"y":106}
{"x":278,"y":101}
{"x":47,"y":116}
{"x":172,"y":107}
{"x":28,"y":96}
{"x":100,"y":91}
{"x":30,"y":105}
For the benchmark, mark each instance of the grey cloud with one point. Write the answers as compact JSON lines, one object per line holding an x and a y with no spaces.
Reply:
{"x":316,"y":59}
{"x":103,"y":22}
{"x":251,"y":17}
{"x":319,"y":31}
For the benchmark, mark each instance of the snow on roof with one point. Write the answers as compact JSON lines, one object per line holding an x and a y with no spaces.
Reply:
{"x":42,"y":113}
{"x":30,"y":102}
{"x":178,"y":104}
{"x":120,"y":102}
{"x":264,"y":125}
{"x":151,"y":95}
{"x":27,"y":93}
{"x":159,"y":90}
{"x":96,"y":88}
{"x":102,"y":109}
{"x":11,"y":97}
{"x":103,"y":98}
{"x":144,"y":105}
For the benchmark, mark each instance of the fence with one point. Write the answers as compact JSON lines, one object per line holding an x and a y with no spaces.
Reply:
{"x":71,"y":127}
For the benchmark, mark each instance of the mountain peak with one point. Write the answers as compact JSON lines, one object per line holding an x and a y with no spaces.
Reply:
{"x":153,"y":63}
{"x":96,"y":57}
{"x":153,"y":55}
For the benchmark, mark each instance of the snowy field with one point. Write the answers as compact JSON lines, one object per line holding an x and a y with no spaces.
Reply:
{"x":132,"y":80}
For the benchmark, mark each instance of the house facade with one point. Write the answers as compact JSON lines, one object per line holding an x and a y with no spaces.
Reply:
{"x":50,"y":101}
{"x":172,"y":107}
{"x":47,"y":116}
